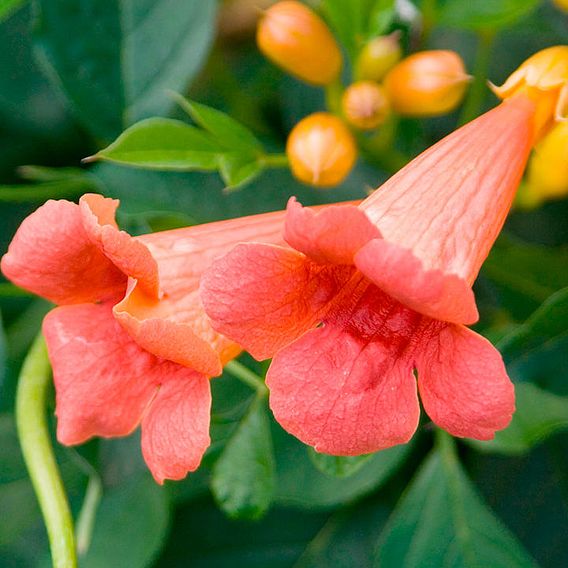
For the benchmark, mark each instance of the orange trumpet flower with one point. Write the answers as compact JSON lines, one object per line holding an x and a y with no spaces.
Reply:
{"x":129,"y":342}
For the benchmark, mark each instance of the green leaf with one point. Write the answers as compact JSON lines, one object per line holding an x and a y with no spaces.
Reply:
{"x":484,"y":15}
{"x":536,"y":350}
{"x":525,"y":275}
{"x":114,"y":60}
{"x":442,"y":521}
{"x":229,"y":133}
{"x":3,"y":351}
{"x":337,"y":466}
{"x":381,"y":17}
{"x":7,"y":7}
{"x":539,"y":414}
{"x":64,"y":188}
{"x":302,"y":485}
{"x":244,"y":475}
{"x":547,"y":324}
{"x":131,"y":525}
{"x":239,"y":169}
{"x":357,"y":21}
{"x":164,"y":144}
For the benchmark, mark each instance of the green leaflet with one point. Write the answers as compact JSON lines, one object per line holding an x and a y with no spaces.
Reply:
{"x":116,"y":72}
{"x":441,"y":521}
{"x":244,"y":475}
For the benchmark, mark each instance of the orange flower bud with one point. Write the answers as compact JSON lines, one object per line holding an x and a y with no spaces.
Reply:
{"x":321,"y":150}
{"x":428,"y":83}
{"x":548,"y":167}
{"x":365,"y":105}
{"x":544,"y":78}
{"x":296,"y":38}
{"x":378,"y":56}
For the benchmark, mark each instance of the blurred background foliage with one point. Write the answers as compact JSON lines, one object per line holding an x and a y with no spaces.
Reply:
{"x":73,"y":75}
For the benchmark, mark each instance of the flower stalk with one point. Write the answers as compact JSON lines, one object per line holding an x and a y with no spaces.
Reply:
{"x":474,"y":100}
{"x":246,"y":376}
{"x":31,"y":420}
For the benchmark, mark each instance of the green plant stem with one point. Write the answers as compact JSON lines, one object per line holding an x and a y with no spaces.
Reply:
{"x":429,"y":16}
{"x":87,"y":516}
{"x":245,"y":375}
{"x":8,"y":290}
{"x":333,"y":94}
{"x":446,"y":445}
{"x":379,"y":148}
{"x":275,"y":160}
{"x":476,"y":93}
{"x":31,"y":421}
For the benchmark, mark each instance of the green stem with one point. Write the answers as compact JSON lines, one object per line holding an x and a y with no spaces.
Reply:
{"x":333,"y":94}
{"x":476,"y":94}
{"x":245,"y":375}
{"x":275,"y":160}
{"x":87,"y":516}
{"x":445,"y":444}
{"x":31,"y":420}
{"x":9,"y":290}
{"x":429,"y":15}
{"x":379,"y":148}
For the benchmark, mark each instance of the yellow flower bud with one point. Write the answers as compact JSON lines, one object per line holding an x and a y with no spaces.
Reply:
{"x":428,"y":83}
{"x":297,"y":39}
{"x":548,"y":167}
{"x":544,"y":78}
{"x":365,"y":105}
{"x":377,"y":57}
{"x":321,"y":150}
{"x":561,"y":4}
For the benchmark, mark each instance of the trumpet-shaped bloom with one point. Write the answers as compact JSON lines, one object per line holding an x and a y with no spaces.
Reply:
{"x":129,"y":341}
{"x":365,"y":298}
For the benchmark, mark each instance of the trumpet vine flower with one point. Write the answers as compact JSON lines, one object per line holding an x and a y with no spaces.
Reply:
{"x":129,"y":341}
{"x":366,"y":307}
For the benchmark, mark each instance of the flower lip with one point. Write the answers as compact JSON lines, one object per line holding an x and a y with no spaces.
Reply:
{"x":344,"y":234}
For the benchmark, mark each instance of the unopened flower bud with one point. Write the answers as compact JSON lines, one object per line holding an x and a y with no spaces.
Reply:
{"x":543,"y":77}
{"x":378,"y":56}
{"x":297,"y":39}
{"x":548,"y":167}
{"x":428,"y":83}
{"x":561,"y":4}
{"x":321,"y":150}
{"x":365,"y":105}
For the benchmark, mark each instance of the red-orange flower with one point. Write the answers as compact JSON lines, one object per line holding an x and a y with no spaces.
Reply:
{"x":129,"y":343}
{"x":367,"y":296}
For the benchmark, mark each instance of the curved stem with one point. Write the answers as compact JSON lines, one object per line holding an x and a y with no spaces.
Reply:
{"x":87,"y":516}
{"x":476,"y":93}
{"x":245,"y":375}
{"x":31,"y":421}
{"x":275,"y":160}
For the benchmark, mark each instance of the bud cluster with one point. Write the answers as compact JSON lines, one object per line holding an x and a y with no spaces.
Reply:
{"x":322,"y":147}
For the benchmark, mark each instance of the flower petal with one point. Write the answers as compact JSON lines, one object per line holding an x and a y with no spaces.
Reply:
{"x":448,"y":205}
{"x":265,"y":296}
{"x":399,"y":273}
{"x":347,"y":388}
{"x":128,"y":254}
{"x":464,"y":385}
{"x":331,"y":235}
{"x":103,"y":380}
{"x":175,"y":430}
{"x":52,"y":256}
{"x":177,"y":331}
